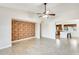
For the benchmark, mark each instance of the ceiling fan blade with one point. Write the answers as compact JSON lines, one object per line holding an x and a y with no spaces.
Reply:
{"x":52,"y":14}
{"x":40,"y":16}
{"x":39,"y":13}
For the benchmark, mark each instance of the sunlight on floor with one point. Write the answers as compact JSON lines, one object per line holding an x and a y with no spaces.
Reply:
{"x":58,"y":42}
{"x":73,"y":43}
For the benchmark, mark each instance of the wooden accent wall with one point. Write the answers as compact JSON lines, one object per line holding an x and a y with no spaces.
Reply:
{"x":22,"y":29}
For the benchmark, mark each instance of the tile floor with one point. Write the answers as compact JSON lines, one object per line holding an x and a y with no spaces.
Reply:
{"x":43,"y":47}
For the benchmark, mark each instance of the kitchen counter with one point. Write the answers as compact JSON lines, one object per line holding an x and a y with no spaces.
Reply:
{"x":63,"y":34}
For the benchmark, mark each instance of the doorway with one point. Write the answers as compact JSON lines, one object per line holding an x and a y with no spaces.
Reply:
{"x":58,"y":30}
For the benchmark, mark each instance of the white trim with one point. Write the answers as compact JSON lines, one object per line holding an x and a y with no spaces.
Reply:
{"x":17,"y":19}
{"x":48,"y":38}
{"x":6,"y":46}
{"x":23,"y":39}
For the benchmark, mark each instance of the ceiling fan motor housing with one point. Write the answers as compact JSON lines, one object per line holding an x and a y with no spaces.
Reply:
{"x":45,"y":3}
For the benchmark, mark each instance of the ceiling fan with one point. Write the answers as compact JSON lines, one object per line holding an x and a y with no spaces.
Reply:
{"x":46,"y":12}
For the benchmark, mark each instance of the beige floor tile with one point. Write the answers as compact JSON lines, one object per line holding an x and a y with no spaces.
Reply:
{"x":43,"y":47}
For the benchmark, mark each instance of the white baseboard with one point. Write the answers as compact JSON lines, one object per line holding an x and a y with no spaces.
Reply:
{"x":47,"y":38}
{"x":23,"y":39}
{"x":6,"y":46}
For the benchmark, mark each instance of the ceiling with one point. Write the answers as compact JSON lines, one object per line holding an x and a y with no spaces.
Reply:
{"x":30,"y":7}
{"x":56,"y":8}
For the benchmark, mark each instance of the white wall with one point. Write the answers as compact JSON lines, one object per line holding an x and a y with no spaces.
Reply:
{"x":6,"y":16}
{"x":37,"y":30}
{"x":48,"y":29}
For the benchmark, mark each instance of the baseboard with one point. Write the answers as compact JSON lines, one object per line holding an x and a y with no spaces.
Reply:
{"x":6,"y":46}
{"x":46,"y":38}
{"x":23,"y":39}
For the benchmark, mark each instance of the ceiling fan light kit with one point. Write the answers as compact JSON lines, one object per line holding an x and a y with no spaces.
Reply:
{"x":47,"y":12}
{"x":45,"y":16}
